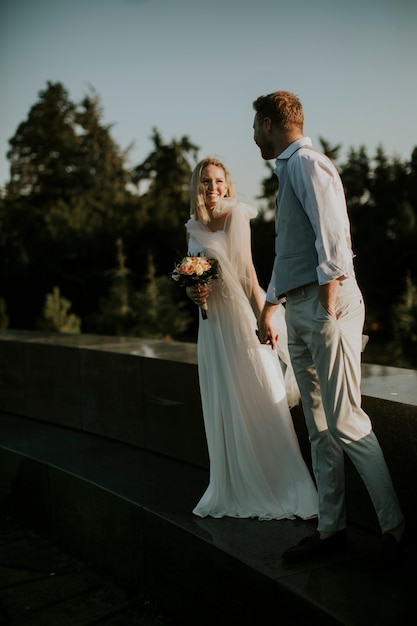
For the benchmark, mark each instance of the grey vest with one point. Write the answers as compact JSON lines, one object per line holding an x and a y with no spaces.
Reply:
{"x":296,"y":258}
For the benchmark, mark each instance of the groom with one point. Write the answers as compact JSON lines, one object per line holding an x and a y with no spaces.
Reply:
{"x":314,"y":271}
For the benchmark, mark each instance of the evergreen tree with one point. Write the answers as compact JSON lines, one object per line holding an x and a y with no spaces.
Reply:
{"x":159,"y":312}
{"x":269,"y":186}
{"x":154,"y":312}
{"x":4,"y":318}
{"x":164,"y":176}
{"x":66,"y":203}
{"x":410,"y":186}
{"x":404,"y":322}
{"x":69,"y":200}
{"x":56,"y":315}
{"x":331,"y":151}
{"x":43,"y":151}
{"x":116,"y":316}
{"x":102,"y":172}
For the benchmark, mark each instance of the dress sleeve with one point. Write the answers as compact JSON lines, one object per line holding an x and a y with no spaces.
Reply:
{"x":239,"y":234}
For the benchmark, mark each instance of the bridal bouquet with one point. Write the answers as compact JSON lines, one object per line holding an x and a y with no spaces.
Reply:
{"x":196,"y":270}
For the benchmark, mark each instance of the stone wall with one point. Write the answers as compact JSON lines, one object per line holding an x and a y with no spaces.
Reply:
{"x":145,"y":393}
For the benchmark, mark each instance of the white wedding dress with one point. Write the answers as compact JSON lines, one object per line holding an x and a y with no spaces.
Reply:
{"x":256,"y":467}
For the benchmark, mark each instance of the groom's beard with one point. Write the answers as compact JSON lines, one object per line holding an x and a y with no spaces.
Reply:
{"x":267,"y":150}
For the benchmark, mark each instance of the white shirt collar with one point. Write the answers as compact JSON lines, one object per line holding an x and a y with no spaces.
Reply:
{"x":298,"y":143}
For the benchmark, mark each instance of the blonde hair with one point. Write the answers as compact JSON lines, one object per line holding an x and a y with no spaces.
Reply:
{"x":282,"y":107}
{"x":197,"y":191}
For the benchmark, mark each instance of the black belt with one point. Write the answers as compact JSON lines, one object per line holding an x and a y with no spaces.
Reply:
{"x":295,"y":290}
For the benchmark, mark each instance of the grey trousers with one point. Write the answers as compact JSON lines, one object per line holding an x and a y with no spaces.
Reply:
{"x":326,"y":357}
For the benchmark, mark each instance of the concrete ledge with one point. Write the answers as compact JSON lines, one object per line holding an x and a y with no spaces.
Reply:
{"x":129,"y":512}
{"x":146,"y":393}
{"x":102,"y":446}
{"x":141,"y":392}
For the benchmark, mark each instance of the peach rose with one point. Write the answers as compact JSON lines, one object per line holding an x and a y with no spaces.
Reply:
{"x":187,"y":266}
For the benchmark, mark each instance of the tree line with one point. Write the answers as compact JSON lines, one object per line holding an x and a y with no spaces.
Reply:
{"x":87,"y":243}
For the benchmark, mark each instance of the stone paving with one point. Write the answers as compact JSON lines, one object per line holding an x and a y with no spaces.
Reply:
{"x":42,"y":586}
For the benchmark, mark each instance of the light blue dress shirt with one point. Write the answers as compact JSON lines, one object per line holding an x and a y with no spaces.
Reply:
{"x":318,"y":187}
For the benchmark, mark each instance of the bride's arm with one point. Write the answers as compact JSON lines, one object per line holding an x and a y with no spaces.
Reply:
{"x":256,"y":299}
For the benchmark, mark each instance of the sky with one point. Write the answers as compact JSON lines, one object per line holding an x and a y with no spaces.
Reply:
{"x":193,"y":68}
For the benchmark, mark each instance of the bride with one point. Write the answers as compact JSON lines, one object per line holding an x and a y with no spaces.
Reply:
{"x":256,"y":467}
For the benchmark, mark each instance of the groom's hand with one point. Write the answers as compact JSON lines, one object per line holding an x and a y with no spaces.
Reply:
{"x":266,"y":332}
{"x":328,"y":296}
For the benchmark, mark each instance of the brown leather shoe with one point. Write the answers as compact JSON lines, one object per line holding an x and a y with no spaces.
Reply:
{"x":312,"y":547}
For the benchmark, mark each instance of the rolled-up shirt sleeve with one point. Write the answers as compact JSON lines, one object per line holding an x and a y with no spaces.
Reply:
{"x":319,"y":188}
{"x":271,"y":293}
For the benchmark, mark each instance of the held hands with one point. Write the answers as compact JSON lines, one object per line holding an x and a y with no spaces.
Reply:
{"x":266,"y":333}
{"x":267,"y":337}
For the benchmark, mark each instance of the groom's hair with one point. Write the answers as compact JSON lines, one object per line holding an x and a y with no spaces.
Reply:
{"x":283,"y":108}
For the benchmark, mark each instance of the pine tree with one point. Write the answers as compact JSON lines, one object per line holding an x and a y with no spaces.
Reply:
{"x":56,"y":315}
{"x":159,"y":313}
{"x":115,"y":315}
{"x":164,"y":176}
{"x":66,"y":203}
{"x":404,"y":322}
{"x":4,"y":318}
{"x":43,"y":151}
